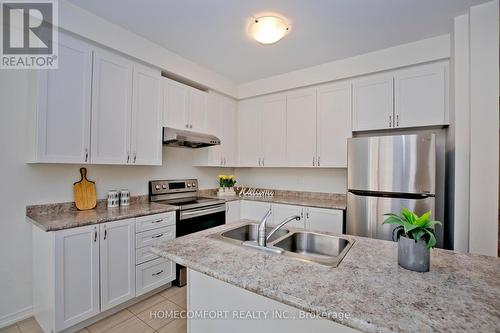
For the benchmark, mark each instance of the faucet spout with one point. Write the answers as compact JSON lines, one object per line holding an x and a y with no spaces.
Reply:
{"x":261,"y":239}
{"x":288,"y":219}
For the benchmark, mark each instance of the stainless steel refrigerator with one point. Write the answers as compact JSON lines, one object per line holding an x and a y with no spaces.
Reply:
{"x":385,"y":174}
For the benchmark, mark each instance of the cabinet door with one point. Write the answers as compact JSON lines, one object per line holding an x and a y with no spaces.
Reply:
{"x":273,"y":130}
{"x":146,"y":132}
{"x":333,"y":124}
{"x":254,"y":210}
{"x":232,"y":212}
{"x":197,"y":110}
{"x":420,"y":96}
{"x":63,"y":106}
{"x":372,"y":102}
{"x":228,"y":137}
{"x":76,"y":275}
{"x":175,"y":104}
{"x":301,"y":128}
{"x":329,"y":220}
{"x":111,"y":108}
{"x":282,"y":212}
{"x":215,"y":127}
{"x":250,"y":134}
{"x":117,"y":254}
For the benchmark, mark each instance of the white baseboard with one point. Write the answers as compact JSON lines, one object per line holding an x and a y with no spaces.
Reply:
{"x":16,"y":316}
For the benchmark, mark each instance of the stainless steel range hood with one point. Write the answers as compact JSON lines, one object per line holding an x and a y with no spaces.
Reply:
{"x":188,"y":139}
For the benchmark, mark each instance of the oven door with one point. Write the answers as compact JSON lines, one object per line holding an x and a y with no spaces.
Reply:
{"x":195,"y":220}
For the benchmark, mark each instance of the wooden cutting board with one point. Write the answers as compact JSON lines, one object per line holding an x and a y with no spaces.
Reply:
{"x":84,"y":192}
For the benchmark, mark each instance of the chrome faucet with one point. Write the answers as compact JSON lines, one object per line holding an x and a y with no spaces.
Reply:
{"x":262,"y":238}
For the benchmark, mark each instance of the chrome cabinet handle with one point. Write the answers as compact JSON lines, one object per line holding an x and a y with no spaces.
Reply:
{"x":190,"y":126}
{"x":259,"y":161}
{"x":187,"y":126}
{"x":390,"y":120}
{"x":224,"y":161}
{"x":263,"y":161}
{"x":307,"y":213}
{"x":397,"y":120}
{"x":157,"y":273}
{"x":318,"y":161}
{"x":95,"y":235}
{"x":314,"y":161}
{"x":86,"y":155}
{"x":135,"y":157}
{"x":157,"y":221}
{"x":157,"y":236}
{"x":227,"y":208}
{"x":105,"y":233}
{"x":302,"y":213}
{"x":128,"y":157}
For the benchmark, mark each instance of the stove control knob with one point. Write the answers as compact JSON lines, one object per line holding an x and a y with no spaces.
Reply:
{"x":164,"y":186}
{"x":193,"y":184}
{"x":157,"y":187}
{"x":188,"y":185}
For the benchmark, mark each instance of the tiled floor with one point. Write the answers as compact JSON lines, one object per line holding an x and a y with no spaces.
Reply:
{"x":135,"y":319}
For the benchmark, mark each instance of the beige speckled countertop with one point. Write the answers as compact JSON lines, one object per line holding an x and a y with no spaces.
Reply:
{"x":61,"y":216}
{"x":308,"y":199}
{"x":461,"y":293}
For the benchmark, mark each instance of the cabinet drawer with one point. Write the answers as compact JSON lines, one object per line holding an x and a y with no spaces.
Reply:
{"x":151,"y":222}
{"x":153,"y":274}
{"x":151,"y":237}
{"x":143,"y":255}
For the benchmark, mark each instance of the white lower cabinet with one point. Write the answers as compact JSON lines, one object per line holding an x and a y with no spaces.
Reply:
{"x":312,"y":218}
{"x":328,"y":220}
{"x":81,"y":272}
{"x":255,"y":210}
{"x":75,"y":283}
{"x":151,"y":271}
{"x":282,"y":212}
{"x":117,"y":254}
{"x":232,"y":212}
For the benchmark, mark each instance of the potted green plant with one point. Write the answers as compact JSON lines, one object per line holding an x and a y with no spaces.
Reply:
{"x":226,"y":185}
{"x":416,"y":236}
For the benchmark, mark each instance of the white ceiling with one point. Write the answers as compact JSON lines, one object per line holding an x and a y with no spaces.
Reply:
{"x":212,"y":33}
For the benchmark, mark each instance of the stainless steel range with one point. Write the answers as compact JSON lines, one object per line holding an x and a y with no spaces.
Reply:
{"x":195,"y":213}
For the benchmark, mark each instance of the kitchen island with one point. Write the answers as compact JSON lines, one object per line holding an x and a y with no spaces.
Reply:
{"x":367,"y":292}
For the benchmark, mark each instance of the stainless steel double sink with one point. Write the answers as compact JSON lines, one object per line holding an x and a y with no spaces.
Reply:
{"x":304,"y":245}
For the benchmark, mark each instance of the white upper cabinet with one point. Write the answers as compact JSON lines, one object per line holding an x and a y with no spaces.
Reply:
{"x":301,"y":128}
{"x":413,"y":97}
{"x":63,"y":104}
{"x":76,"y":276}
{"x":420,"y":96}
{"x":273,"y":110}
{"x":197,"y":110}
{"x":175,"y":104}
{"x":250,"y":133}
{"x":228,"y":135}
{"x":333,"y":124}
{"x":146,"y":133}
{"x":117,"y":262}
{"x":372,"y":102}
{"x":111,"y":108}
{"x":184,"y":107}
{"x":221,"y":122}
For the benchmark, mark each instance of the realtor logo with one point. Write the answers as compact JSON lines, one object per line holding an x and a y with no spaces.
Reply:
{"x":29,"y":34}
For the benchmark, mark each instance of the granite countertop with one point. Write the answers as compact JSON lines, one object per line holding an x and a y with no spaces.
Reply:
{"x":308,"y":199}
{"x":54,"y":217}
{"x":461,"y":293}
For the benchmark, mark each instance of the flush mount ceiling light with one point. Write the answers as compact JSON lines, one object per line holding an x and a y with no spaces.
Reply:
{"x":268,"y":29}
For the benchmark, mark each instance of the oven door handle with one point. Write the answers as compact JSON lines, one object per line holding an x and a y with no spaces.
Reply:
{"x":201,"y":212}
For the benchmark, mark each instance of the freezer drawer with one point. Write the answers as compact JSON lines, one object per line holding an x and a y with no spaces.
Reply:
{"x":365,"y":214}
{"x":392,"y":164}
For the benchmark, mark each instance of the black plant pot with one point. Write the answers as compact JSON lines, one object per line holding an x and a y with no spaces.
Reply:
{"x":414,"y":256}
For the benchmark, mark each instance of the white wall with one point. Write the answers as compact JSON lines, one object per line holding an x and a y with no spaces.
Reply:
{"x":297,"y":179}
{"x":484,"y":128}
{"x":426,"y":50}
{"x":24,"y":184}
